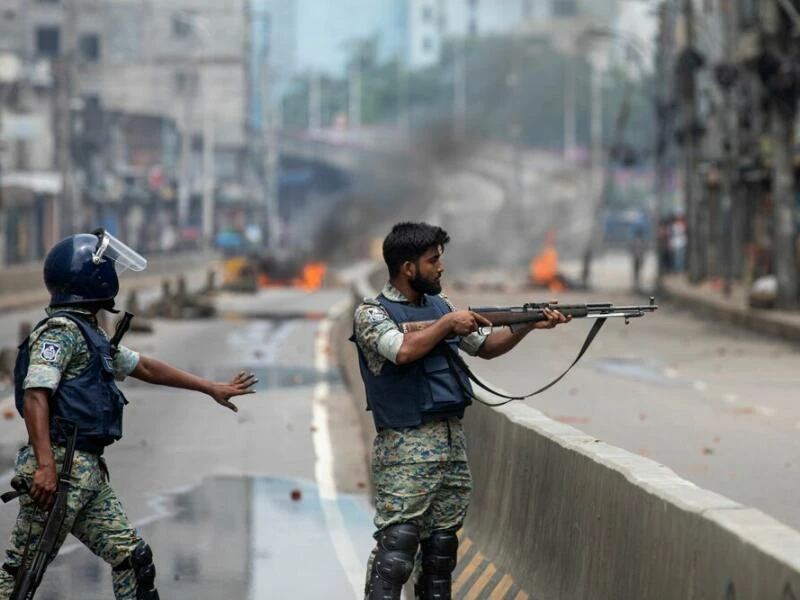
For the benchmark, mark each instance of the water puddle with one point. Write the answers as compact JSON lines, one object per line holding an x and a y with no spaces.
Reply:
{"x":231,"y":537}
{"x":637,"y":369}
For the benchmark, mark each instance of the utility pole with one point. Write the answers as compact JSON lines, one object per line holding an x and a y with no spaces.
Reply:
{"x":65,"y":83}
{"x":355,"y":95}
{"x":784,"y":114}
{"x":570,"y":109}
{"x":596,"y":170}
{"x":403,"y":117}
{"x":271,"y":171}
{"x":515,"y":130}
{"x":184,"y":193}
{"x":314,"y":102}
{"x":208,"y":161}
{"x":726,"y":76}
{"x":664,"y":117}
{"x":460,"y":89}
{"x":690,"y":130}
{"x":3,"y":208}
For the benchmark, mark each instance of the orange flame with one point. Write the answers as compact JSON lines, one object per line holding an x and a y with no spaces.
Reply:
{"x":311,"y":280}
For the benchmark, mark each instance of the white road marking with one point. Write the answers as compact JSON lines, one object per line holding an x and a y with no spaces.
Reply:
{"x":345,"y":552}
{"x":670,"y":373}
{"x":700,"y":386}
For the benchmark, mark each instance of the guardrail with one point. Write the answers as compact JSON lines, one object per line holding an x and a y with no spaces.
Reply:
{"x":573,"y":518}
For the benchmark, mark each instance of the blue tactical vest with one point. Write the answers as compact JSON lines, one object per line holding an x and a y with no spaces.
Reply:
{"x":418,"y":392}
{"x":92,"y":399}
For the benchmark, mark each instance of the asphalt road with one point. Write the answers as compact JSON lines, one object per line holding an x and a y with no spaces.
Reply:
{"x":242,"y":505}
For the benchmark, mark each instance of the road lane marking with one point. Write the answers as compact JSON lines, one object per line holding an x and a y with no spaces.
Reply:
{"x":467,"y":572}
{"x":502,"y":587}
{"x":700,"y":386}
{"x":323,"y":467}
{"x":731,"y":398}
{"x":481,"y":583}
{"x":463,"y":548}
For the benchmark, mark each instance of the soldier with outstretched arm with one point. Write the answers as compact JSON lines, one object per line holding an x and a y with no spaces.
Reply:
{"x":417,"y":398}
{"x":66,"y":372}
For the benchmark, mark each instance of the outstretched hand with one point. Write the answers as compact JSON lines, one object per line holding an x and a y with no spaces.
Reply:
{"x":242,"y":383}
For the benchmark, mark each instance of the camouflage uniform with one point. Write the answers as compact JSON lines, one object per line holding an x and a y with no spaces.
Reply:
{"x":421,"y":474}
{"x":94,"y":513}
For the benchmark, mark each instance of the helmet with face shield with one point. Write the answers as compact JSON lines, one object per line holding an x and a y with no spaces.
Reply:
{"x":80,"y":269}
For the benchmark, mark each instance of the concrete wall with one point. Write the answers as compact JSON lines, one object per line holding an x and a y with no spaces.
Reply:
{"x":573,"y":518}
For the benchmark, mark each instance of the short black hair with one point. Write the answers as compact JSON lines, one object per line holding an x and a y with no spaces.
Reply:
{"x":408,"y":241}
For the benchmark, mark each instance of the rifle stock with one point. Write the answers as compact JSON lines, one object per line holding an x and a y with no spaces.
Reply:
{"x":503,"y":316}
{"x":122,"y":328}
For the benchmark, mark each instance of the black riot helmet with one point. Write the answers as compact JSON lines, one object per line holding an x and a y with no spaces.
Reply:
{"x":80,"y":269}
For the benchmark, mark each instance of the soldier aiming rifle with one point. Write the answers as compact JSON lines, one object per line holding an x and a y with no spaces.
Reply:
{"x":417,"y":388}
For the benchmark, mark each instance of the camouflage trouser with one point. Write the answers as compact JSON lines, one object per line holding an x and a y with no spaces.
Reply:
{"x":432,"y":491}
{"x":94,"y":515}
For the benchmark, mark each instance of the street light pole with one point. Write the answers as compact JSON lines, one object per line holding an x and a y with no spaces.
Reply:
{"x":271,"y":119}
{"x":208,"y":163}
{"x":354,"y":95}
{"x":3,"y":208}
{"x":459,"y":89}
{"x":314,"y":102}
{"x":570,"y":108}
{"x":596,"y":177}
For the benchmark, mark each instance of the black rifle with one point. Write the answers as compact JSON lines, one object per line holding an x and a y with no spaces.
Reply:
{"x":501,"y":316}
{"x":121,"y":330}
{"x":30,"y":575}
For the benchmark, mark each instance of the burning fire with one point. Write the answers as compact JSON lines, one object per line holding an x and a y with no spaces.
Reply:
{"x":312,"y":278}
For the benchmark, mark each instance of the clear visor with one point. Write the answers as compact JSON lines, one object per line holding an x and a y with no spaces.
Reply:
{"x":123,"y":255}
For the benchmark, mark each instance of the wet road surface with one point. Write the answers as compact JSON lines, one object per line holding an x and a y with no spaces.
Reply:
{"x":238,"y":505}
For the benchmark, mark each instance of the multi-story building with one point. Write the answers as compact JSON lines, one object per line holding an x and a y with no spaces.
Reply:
{"x":177,"y":65}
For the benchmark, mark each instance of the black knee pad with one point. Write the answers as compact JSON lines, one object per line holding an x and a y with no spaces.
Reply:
{"x":439,"y":552}
{"x":141,"y":562}
{"x":439,"y":556}
{"x":394,"y":561}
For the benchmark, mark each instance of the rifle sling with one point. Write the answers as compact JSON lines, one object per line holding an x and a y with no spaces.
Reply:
{"x":456,"y":362}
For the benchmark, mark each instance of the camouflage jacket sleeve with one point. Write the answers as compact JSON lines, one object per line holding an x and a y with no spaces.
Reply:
{"x":471,"y":344}
{"x":376,"y":334}
{"x":52,"y":347}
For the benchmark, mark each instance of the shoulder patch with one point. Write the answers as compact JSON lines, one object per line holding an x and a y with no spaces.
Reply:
{"x":50,"y":351}
{"x":374,"y":314}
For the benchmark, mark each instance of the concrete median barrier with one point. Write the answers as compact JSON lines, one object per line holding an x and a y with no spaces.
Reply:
{"x":573,"y":518}
{"x":23,"y":285}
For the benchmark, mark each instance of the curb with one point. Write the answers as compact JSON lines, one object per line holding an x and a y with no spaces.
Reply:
{"x":783,"y":325}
